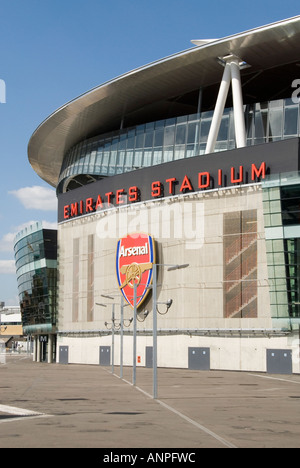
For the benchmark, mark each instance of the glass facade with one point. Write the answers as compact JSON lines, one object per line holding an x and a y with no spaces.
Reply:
{"x":175,"y":138}
{"x":36,"y":265}
{"x":282,"y":225}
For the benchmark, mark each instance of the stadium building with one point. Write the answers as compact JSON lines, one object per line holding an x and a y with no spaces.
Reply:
{"x":35,"y":251}
{"x":11,"y":331}
{"x":191,"y":161}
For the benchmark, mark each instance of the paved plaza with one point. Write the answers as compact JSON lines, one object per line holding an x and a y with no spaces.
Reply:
{"x":51,"y":405}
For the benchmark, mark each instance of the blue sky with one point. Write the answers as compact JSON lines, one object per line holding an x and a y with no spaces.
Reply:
{"x":51,"y":51}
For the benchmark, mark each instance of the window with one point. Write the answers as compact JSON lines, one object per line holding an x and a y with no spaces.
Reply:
{"x":290,"y":205}
{"x":180,"y":135}
{"x":291,"y":121}
{"x":292,"y":258}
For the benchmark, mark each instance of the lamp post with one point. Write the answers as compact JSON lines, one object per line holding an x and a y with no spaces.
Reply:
{"x":155,"y":310}
{"x":112,"y":334}
{"x":155,"y":304}
{"x":113,"y":340}
{"x":122,"y":324}
{"x":134,"y":357}
{"x":134,"y":332}
{"x":120,"y":327}
{"x":121,"y":337}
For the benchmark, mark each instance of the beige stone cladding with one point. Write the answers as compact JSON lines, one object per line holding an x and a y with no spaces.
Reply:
{"x":187,"y":230}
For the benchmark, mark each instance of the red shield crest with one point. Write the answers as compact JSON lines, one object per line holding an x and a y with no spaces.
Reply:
{"x":134,"y":262}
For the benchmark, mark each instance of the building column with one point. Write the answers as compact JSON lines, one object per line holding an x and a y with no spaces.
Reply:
{"x":219,"y":110}
{"x":231,"y":73}
{"x":238,"y":106}
{"x":50,"y":349}
{"x":38,"y":349}
{"x":34,"y":349}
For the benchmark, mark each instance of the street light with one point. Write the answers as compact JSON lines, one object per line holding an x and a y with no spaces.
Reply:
{"x":135,"y":319}
{"x":112,"y":335}
{"x":119,"y":326}
{"x":122,"y":323}
{"x":167,"y":304}
{"x":178,"y":267}
{"x":134,"y":331}
{"x":145,"y":315}
{"x":155,"y":310}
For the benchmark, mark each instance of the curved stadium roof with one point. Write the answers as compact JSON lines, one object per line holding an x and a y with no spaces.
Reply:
{"x":165,"y":88}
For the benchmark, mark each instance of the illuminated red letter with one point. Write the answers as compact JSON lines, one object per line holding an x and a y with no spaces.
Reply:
{"x":186,"y":184}
{"x":220,"y":177}
{"x":133,"y":194}
{"x":81,"y":206}
{"x":99,"y":203}
{"x":120,"y":197}
{"x":109,"y":195}
{"x":171,"y":186}
{"x":74,"y":209}
{"x":156,"y":189}
{"x":261,"y":172}
{"x":237,"y":181}
{"x":89,"y":205}
{"x":66,"y":211}
{"x":200,"y":180}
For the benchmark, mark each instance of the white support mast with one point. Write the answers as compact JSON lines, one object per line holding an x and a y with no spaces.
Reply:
{"x":231,"y":73}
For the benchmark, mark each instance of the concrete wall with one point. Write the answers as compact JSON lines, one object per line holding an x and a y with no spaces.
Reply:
{"x":187,"y":229}
{"x":237,"y":354}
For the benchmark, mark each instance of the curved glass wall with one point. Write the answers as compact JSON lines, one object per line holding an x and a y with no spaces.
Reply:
{"x":36,"y":266}
{"x":176,"y":138}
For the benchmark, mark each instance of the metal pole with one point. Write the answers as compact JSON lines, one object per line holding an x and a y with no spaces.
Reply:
{"x":113,"y":340}
{"x":238,"y":106}
{"x":154,"y":299}
{"x":219,"y":109}
{"x":121,"y":337}
{"x":2,"y":305}
{"x":134,"y":332}
{"x":2,"y":348}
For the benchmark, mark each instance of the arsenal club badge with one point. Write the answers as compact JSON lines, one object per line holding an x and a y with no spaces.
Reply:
{"x":134,"y":262}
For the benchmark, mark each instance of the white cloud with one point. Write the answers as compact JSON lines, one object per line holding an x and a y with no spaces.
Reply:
{"x":36,"y":198}
{"x":48,"y":225}
{"x":12,"y":301}
{"x":7,"y":241}
{"x":7,"y":267}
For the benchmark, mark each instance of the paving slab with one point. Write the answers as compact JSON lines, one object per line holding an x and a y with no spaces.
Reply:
{"x":84,"y":406}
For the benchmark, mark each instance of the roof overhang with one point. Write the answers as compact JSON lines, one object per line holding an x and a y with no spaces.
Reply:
{"x":101,"y":109}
